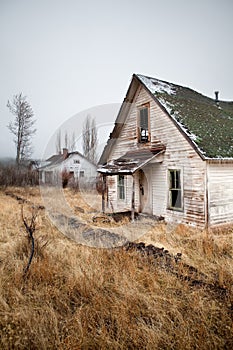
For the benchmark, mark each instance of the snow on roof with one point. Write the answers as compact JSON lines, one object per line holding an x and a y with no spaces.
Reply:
{"x":207,"y":124}
{"x":155,"y":85}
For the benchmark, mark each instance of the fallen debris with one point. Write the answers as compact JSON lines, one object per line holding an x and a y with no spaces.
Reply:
{"x":22,"y":200}
{"x":161,"y":258}
{"x":101,"y":219}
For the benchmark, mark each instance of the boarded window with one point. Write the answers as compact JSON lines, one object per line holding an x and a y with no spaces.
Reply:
{"x":121,"y":186}
{"x":144,"y":124}
{"x":175,"y":189}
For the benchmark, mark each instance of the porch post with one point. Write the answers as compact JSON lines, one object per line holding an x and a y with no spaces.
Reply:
{"x":103,"y":192}
{"x":133,"y":200}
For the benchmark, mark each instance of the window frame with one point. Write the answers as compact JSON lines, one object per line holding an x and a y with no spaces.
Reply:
{"x":139,"y":135}
{"x":81,"y":173}
{"x":121,"y":187}
{"x":171,"y":189}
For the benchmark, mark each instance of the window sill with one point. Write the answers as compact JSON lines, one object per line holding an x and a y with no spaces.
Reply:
{"x":180,"y":210}
{"x":143,"y":142}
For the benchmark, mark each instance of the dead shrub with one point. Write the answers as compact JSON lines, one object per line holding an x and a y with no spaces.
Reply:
{"x":12,"y":175}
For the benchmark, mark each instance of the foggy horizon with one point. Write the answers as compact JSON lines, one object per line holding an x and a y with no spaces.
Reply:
{"x":69,"y":57}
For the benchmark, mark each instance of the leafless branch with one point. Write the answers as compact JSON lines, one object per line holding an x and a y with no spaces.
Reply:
{"x":30,"y":226}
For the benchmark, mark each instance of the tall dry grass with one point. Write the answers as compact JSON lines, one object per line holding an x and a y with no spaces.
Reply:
{"x":75,"y":297}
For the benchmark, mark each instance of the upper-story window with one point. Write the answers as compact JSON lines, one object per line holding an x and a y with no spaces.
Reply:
{"x":76,"y":161}
{"x":143,"y":124}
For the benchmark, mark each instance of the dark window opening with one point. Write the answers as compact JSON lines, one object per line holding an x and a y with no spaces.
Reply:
{"x":121,"y":186}
{"x":81,"y":174}
{"x":48,"y":177}
{"x":143,"y":125}
{"x":175,"y":195}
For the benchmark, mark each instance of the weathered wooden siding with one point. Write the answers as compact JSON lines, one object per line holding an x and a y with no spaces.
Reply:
{"x":159,"y":189}
{"x":111,"y":183}
{"x":220,"y":193}
{"x":115,"y":204}
{"x":179,"y":154}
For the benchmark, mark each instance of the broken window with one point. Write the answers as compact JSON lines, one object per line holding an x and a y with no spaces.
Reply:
{"x":144,"y":124}
{"x":121,"y":186}
{"x":175,"y":189}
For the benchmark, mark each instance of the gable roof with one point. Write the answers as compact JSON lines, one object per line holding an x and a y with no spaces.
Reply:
{"x":207,"y":125}
{"x":57,"y":159}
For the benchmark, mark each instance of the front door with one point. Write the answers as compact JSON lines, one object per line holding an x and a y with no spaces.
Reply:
{"x":143,"y":191}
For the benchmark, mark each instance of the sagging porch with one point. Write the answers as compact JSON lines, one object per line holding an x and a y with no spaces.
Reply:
{"x":139,"y":190}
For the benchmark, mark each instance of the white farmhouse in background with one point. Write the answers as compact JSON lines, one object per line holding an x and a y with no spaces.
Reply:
{"x":72,"y":166}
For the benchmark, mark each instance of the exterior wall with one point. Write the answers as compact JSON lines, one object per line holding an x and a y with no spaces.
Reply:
{"x":179,"y":154}
{"x":114,"y":203}
{"x":83,"y":165}
{"x":159,"y":189}
{"x":220,"y":193}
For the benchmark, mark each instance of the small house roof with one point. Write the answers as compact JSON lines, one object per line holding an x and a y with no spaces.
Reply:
{"x":57,"y":159}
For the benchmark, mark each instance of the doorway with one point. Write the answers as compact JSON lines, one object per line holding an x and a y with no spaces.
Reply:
{"x":143,"y":192}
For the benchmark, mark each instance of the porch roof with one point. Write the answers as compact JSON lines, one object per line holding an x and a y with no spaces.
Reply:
{"x":130,"y":162}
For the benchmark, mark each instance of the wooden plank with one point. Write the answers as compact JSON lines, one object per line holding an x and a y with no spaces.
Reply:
{"x":103,"y":192}
{"x":220,"y":192}
{"x":133,"y":200}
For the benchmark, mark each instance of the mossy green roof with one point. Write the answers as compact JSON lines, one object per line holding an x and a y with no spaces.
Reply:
{"x":208,"y":124}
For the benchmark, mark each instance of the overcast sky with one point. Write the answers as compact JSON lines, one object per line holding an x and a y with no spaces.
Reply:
{"x":67,"y":56}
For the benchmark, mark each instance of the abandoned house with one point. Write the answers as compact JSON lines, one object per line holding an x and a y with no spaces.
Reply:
{"x":170,"y":154}
{"x":71,"y":166}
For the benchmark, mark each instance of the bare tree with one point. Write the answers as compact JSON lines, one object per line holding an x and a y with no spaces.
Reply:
{"x":69,"y":141}
{"x":22,"y":127}
{"x":58,"y":142}
{"x":94,"y":142}
{"x":90,"y":140}
{"x":86,"y":136}
{"x":72,"y":142}
{"x":66,"y":140}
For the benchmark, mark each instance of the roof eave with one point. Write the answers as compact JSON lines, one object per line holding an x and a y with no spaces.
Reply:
{"x":128,"y":171}
{"x":219,"y":160}
{"x":125,"y":106}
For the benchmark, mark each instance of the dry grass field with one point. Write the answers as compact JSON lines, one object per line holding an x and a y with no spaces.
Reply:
{"x":78,"y":297}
